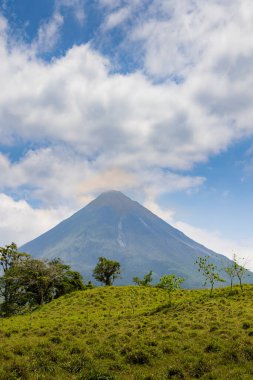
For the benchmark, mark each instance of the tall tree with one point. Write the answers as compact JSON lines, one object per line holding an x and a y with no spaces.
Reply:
{"x":9,"y":258}
{"x":106,"y":271}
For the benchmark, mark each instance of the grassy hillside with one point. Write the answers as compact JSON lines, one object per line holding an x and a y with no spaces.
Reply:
{"x":129,"y":333}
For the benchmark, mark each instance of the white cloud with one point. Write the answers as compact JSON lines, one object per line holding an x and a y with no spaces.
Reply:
{"x":20,"y":222}
{"x":116,"y":18}
{"x":76,"y":6}
{"x":77,"y":101}
{"x":58,"y":176}
{"x":49,"y":33}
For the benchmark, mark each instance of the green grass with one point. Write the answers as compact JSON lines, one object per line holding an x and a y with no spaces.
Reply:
{"x":130,"y":333}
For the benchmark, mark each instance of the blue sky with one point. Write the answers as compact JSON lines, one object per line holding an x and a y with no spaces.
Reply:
{"x":151,"y":97}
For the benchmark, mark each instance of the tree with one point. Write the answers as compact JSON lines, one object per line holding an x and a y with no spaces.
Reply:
{"x":231,"y":273}
{"x":146,"y":280}
{"x":67,"y":280}
{"x":29,"y":282}
{"x":9,"y":258}
{"x":240,"y":271}
{"x":209,"y":271}
{"x":170,"y":283}
{"x":106,"y":271}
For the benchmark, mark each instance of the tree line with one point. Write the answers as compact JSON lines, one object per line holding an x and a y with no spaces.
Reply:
{"x":27,"y":282}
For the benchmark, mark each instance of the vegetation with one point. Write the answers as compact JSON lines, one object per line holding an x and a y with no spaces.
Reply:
{"x":146,"y":281}
{"x":235,"y":270}
{"x":170,"y":283}
{"x":240,"y":271}
{"x":27,"y":282}
{"x":106,"y":271}
{"x":209,"y":271}
{"x":94,"y":334}
{"x":120,"y":333}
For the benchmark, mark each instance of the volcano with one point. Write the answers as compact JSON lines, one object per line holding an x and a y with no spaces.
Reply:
{"x":118,"y":228}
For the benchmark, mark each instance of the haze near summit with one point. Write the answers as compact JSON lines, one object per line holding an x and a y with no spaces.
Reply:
{"x":152,"y":98}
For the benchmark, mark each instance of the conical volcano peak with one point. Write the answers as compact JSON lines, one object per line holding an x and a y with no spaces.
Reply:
{"x":115,"y":199}
{"x":112,"y":194}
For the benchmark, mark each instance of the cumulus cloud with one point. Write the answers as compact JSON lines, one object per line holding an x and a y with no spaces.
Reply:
{"x":77,"y":101}
{"x":21,"y":222}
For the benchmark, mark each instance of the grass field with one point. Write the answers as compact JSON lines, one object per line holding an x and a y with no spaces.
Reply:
{"x":131,"y":333}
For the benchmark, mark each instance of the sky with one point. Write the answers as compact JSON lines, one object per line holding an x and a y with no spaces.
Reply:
{"x":149,"y":97}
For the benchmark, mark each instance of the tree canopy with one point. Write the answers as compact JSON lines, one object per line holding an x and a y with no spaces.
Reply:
{"x":106,"y":271}
{"x":28,"y":282}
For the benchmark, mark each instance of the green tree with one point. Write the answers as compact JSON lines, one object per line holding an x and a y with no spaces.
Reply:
{"x":230,"y":271}
{"x":9,"y":258}
{"x":28,"y":282}
{"x":41,"y":281}
{"x":171,"y":283}
{"x":146,"y":281}
{"x":240,"y":271}
{"x":106,"y":271}
{"x":66,"y":280}
{"x":209,"y":271}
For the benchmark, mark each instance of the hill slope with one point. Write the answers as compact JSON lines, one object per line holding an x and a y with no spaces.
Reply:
{"x":128,"y":333}
{"x":118,"y":228}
